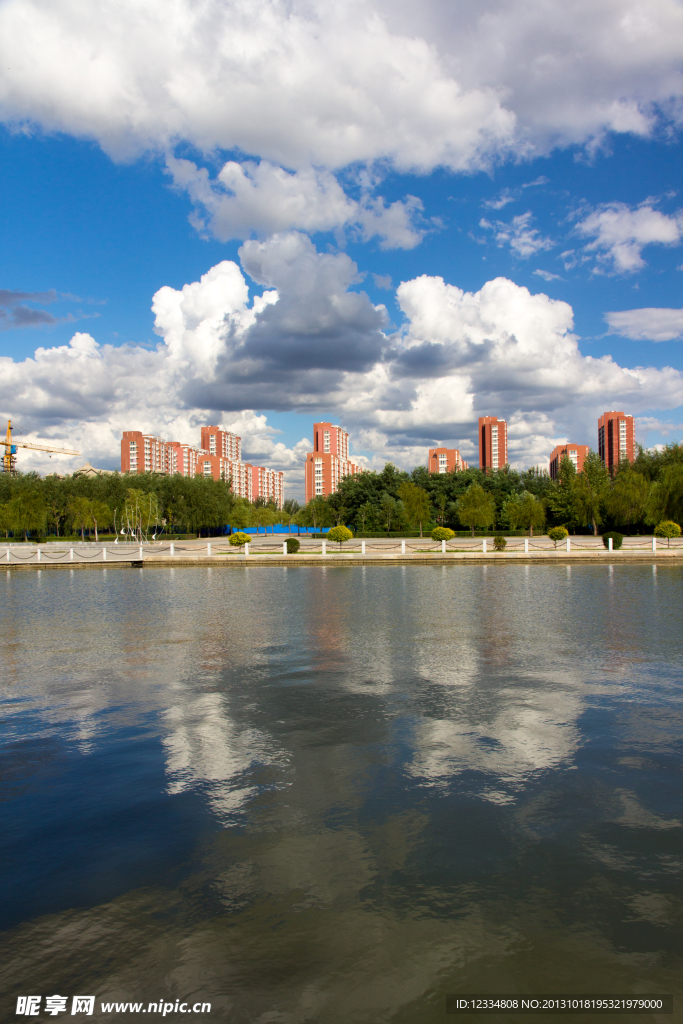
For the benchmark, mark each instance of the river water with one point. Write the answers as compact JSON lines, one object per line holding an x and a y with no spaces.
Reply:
{"x":341,"y":794}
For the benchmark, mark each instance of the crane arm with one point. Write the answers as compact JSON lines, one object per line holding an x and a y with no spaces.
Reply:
{"x":42,"y":447}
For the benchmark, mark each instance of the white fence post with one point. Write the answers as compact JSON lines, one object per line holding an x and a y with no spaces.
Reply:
{"x":104,"y":554}
{"x":324,"y":547}
{"x":172,"y":549}
{"x":569,"y":546}
{"x":403,"y":547}
{"x":609,"y":543}
{"x":362,"y":549}
{"x":526,"y":545}
{"x":141,"y":552}
{"x":443,"y":547}
{"x":246,"y":548}
{"x":38,"y":554}
{"x":208,"y":550}
{"x":8,"y":552}
{"x":654,"y":543}
{"x":284,"y":547}
{"x":71,"y":554}
{"x":483,"y":545}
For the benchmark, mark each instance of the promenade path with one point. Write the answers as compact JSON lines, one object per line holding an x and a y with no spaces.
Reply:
{"x":268,"y":550}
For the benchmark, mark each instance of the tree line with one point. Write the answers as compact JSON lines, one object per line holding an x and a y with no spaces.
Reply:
{"x":136,"y":507}
{"x":636,"y":497}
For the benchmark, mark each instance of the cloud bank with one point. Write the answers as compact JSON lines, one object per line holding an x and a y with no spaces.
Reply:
{"x":312,"y":342}
{"x":298,"y":91}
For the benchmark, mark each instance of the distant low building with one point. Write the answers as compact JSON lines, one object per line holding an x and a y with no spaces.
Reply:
{"x":445,"y":460}
{"x":576,"y":453}
{"x":88,"y":470}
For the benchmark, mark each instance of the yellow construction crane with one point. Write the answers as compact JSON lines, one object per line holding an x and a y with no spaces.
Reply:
{"x":9,"y":460}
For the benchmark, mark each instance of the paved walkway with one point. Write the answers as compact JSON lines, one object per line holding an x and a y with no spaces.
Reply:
{"x":269,"y":551}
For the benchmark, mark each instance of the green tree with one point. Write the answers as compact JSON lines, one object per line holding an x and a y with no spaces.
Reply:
{"x":627,"y":500}
{"x":366,"y":516}
{"x":416,"y":502}
{"x":476,"y":509}
{"x":440,"y":508}
{"x":525,"y":511}
{"x":665,"y":500}
{"x":559,"y":499}
{"x":241,"y":514}
{"x":315,"y":514}
{"x":263,"y":516}
{"x":667,"y":529}
{"x":100,"y":515}
{"x":78,"y":509}
{"x":389,"y":510}
{"x":590,"y":491}
{"x":339,"y":534}
{"x":25,"y":512}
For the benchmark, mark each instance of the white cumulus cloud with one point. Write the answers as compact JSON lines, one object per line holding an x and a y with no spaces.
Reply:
{"x":523,"y":239}
{"x":648,"y":324}
{"x":308,"y":83}
{"x":312,"y":342}
{"x":621,"y":233}
{"x":247,"y":198}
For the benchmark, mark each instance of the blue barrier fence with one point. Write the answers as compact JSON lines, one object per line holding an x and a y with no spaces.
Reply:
{"x":295,"y":531}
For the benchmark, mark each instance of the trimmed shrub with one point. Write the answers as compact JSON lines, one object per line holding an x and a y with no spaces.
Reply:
{"x":499,"y":543}
{"x":667,"y":528}
{"x":617,"y":539}
{"x":292,"y":545}
{"x":339,"y":534}
{"x":557,"y":533}
{"x":238,"y":540}
{"x":442,"y":533}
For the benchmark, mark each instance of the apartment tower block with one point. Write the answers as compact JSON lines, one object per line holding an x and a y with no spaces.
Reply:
{"x":328,"y":463}
{"x":493,"y":443}
{"x":220,"y":457}
{"x":616,"y":438}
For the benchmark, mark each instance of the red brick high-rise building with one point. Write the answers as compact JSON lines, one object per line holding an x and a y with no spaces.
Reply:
{"x":616,"y":438}
{"x":493,"y":443}
{"x":328,"y":463}
{"x":219,"y":457}
{"x":445,"y":460}
{"x":576,"y":453}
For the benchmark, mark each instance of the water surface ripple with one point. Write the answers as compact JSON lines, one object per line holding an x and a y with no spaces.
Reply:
{"x":340,"y":794}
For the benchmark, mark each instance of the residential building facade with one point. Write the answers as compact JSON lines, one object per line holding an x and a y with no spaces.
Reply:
{"x":445,"y":460}
{"x":576,"y":453}
{"x":616,"y":438}
{"x":220,"y":457}
{"x":493,"y":443}
{"x":328,"y":464}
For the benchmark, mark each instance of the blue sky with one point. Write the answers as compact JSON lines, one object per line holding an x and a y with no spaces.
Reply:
{"x":442,"y":246}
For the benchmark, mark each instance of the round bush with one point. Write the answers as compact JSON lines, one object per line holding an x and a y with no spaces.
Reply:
{"x":293,"y":545}
{"x":557,"y":533}
{"x":442,"y":533}
{"x":238,"y":540}
{"x":499,"y":543}
{"x":339,"y":534}
{"x":617,"y":539}
{"x":667,"y":528}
